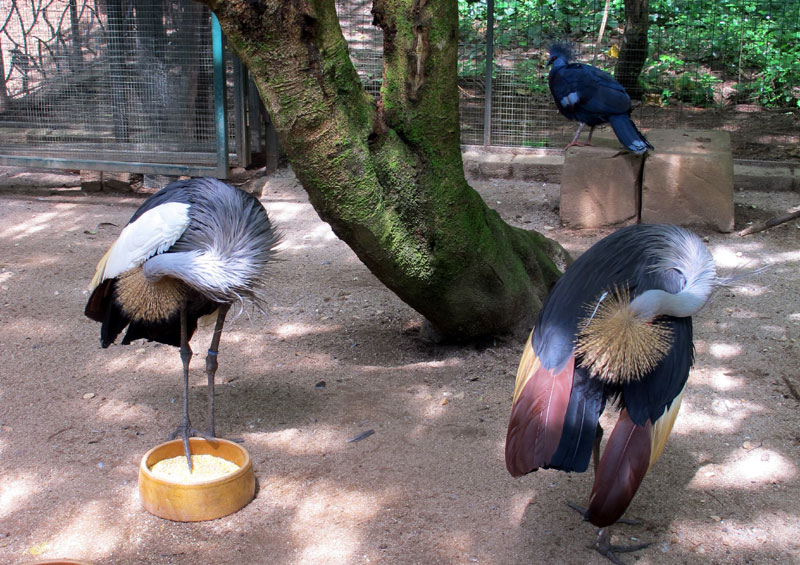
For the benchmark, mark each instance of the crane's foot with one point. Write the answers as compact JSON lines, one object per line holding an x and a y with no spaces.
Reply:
{"x":623,"y":520}
{"x":185,"y":431}
{"x":604,"y":547}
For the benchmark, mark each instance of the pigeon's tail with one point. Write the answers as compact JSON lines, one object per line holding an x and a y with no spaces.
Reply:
{"x":628,"y":134}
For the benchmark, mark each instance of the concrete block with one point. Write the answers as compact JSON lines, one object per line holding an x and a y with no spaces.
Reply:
{"x":91,"y":181}
{"x":119,"y":182}
{"x":600,"y":185}
{"x":688,"y":179}
{"x":97,"y":181}
{"x":471,"y":159}
{"x":496,"y":165}
{"x":535,"y":167}
{"x":764,"y":179}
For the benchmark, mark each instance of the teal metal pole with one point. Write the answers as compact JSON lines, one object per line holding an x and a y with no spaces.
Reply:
{"x":220,"y":113}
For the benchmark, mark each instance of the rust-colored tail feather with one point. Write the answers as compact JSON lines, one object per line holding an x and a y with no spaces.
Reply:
{"x":541,"y":397}
{"x":622,"y":467}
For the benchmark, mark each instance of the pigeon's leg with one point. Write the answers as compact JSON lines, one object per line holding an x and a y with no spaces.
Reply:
{"x":211,"y":364}
{"x":589,"y":139}
{"x":575,"y":142}
{"x":184,"y":429}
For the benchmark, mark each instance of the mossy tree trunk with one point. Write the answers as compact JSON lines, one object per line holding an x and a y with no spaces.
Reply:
{"x":388,"y":176}
{"x":633,"y":49}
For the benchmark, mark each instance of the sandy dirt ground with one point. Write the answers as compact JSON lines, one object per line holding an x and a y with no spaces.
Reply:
{"x":430,"y":485}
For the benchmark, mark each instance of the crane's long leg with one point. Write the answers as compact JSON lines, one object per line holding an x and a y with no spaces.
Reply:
{"x":211,"y":364}
{"x":186,"y":355}
{"x":603,"y":542}
{"x":598,"y":437}
{"x":623,"y":520}
{"x":603,"y":546}
{"x":185,"y":429}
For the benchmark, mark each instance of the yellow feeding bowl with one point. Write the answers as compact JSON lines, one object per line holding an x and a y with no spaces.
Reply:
{"x":198,"y":500}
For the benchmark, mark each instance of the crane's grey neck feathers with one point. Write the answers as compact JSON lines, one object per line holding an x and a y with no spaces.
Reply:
{"x":685,"y":253}
{"x":224,"y":252}
{"x":215,"y":276}
{"x":621,"y":339}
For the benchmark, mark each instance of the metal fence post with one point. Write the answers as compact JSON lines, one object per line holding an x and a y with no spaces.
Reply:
{"x":220,"y":114}
{"x":487,"y":109}
{"x":241,"y":124}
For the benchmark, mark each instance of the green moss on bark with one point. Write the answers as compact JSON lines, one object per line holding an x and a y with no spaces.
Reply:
{"x":388,"y":177}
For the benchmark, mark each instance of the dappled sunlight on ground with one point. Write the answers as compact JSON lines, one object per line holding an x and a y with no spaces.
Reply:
{"x":722,"y":380}
{"x":298,"y":442}
{"x":335,"y":356}
{"x":282,"y":213}
{"x":747,"y":467}
{"x":113,"y":410}
{"x":724,"y":350}
{"x":300,"y":330}
{"x":695,"y":419}
{"x":34,"y":226}
{"x":325,"y":514}
{"x":739,"y":257}
{"x":15,"y":492}
{"x":758,"y":467}
{"x":71,"y":540}
{"x":728,"y":537}
{"x":751,"y":290}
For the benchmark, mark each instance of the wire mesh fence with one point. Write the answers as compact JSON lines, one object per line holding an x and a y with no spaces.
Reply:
{"x":114,"y":80}
{"x":710,"y":64}
{"x":364,"y":40}
{"x":132,"y":80}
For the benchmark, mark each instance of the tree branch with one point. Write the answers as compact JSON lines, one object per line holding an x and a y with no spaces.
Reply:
{"x":771,"y":223}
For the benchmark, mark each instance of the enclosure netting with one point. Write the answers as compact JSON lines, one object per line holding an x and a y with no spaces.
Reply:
{"x":709,"y":64}
{"x":116,"y":80}
{"x":131,"y":80}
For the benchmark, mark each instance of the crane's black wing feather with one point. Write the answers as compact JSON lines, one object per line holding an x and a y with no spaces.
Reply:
{"x":586,"y":403}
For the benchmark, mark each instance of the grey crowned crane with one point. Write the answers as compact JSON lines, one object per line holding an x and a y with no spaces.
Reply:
{"x":195,"y":247}
{"x":616,"y":328}
{"x":591,"y":96}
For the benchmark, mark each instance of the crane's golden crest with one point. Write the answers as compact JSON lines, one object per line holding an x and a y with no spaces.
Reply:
{"x":616,"y":345}
{"x":142,"y":300}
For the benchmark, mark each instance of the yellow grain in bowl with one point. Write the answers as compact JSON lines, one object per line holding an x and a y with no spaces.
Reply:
{"x":204,"y":468}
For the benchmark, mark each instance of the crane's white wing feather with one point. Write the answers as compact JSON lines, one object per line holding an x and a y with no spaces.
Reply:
{"x":152,"y":233}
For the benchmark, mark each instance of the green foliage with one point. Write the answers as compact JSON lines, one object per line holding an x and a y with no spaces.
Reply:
{"x":696,"y":46}
{"x":750,"y":43}
{"x":668,"y":78}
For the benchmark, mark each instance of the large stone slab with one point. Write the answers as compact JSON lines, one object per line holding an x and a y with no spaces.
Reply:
{"x":600,"y":184}
{"x":688,"y":179}
{"x":97,"y":181}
